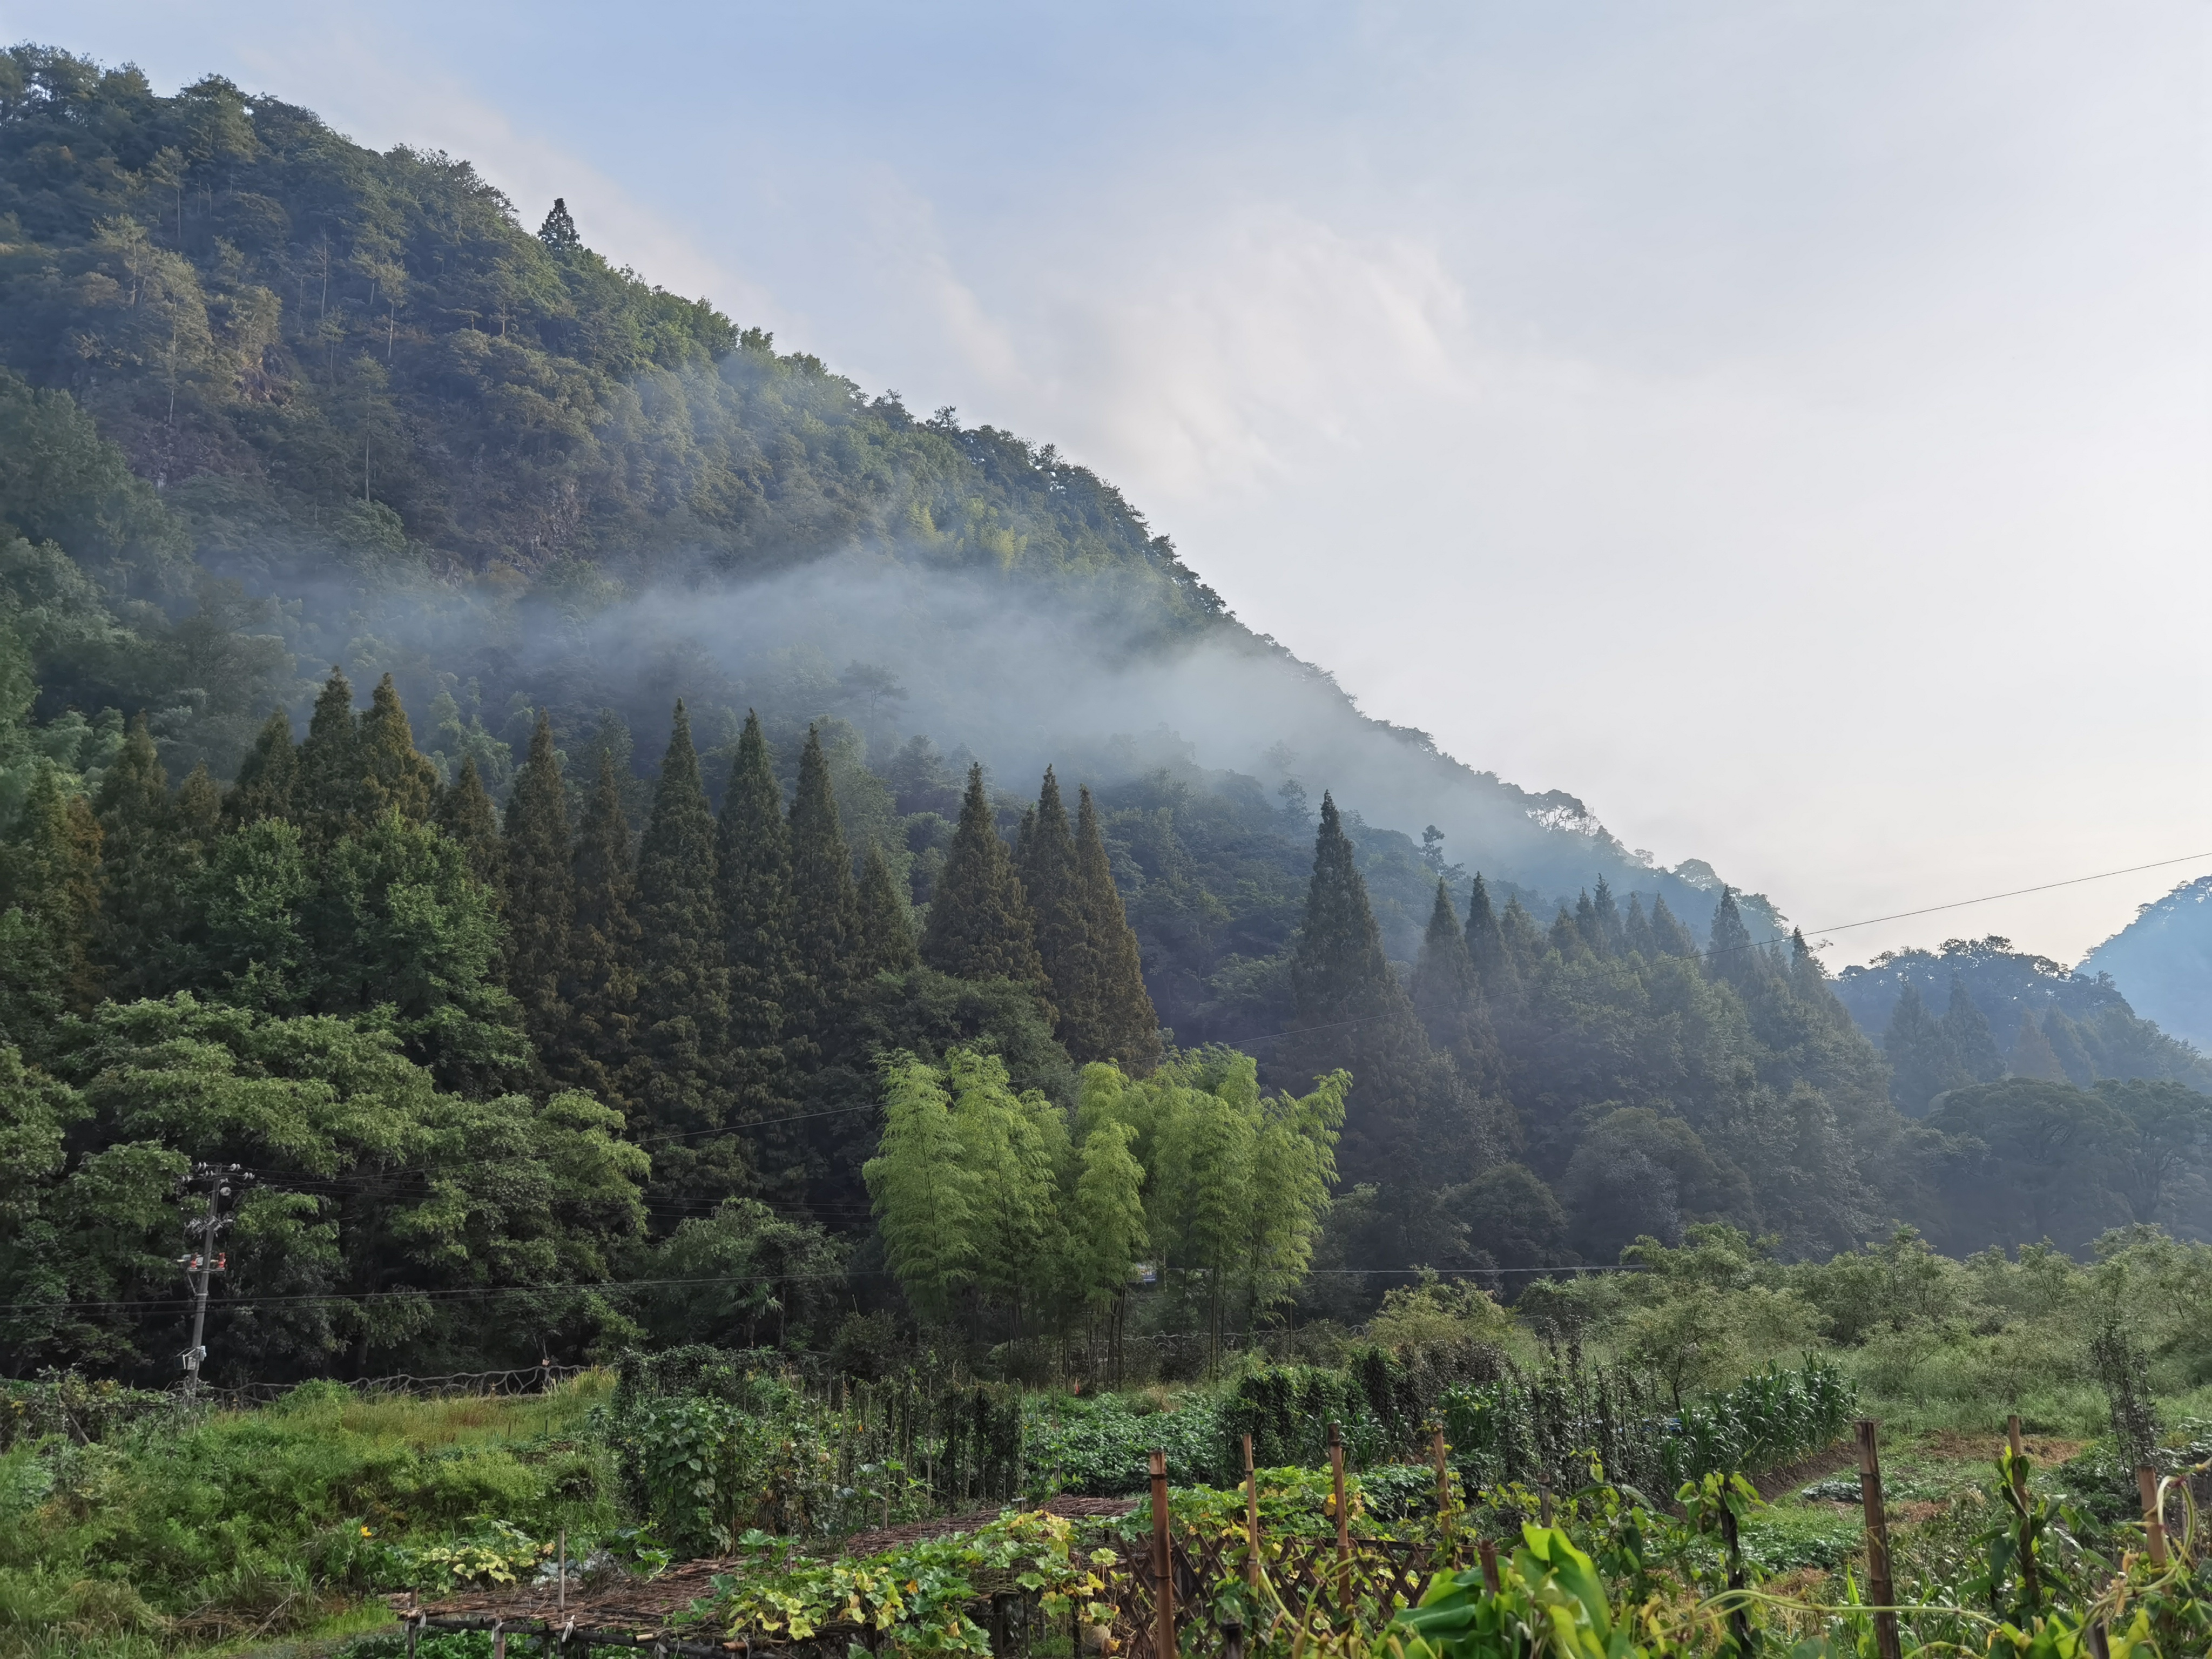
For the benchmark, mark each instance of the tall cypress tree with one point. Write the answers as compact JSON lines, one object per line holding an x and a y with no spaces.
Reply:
{"x":1604,"y":931}
{"x":1668,"y":936}
{"x":1729,"y":954}
{"x":541,"y":889}
{"x":1972,"y":1040}
{"x":683,"y":977}
{"x":267,"y":777}
{"x":980,"y":925}
{"x":49,"y":911}
{"x":825,"y":903}
{"x":198,"y":809}
{"x":598,"y":986}
{"x":1486,"y":947}
{"x":465,"y":812}
{"x":394,"y":773}
{"x":326,"y":790}
{"x":140,"y":871}
{"x":1120,"y":1022}
{"x":1635,"y":930}
{"x":1447,"y":994}
{"x":1044,"y":859}
{"x":1922,"y":1063}
{"x":753,"y":881}
{"x":887,"y":944}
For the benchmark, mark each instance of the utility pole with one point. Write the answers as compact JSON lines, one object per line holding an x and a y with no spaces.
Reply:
{"x":201,"y":1261}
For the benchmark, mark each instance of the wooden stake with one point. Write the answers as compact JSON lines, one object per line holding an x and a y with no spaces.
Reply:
{"x":1251,"y":1518}
{"x":560,"y":1594}
{"x":1343,"y":1519}
{"x":1886,"y":1645}
{"x":1444,"y":1479}
{"x":1163,"y":1632}
{"x":2028,"y":1580}
{"x":2154,"y":1523}
{"x":1544,"y":1502}
{"x":1488,"y":1551}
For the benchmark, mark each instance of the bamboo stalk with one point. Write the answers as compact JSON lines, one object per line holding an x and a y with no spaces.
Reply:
{"x":2154,"y":1523}
{"x":1164,"y":1636}
{"x":1343,"y":1519}
{"x":1886,"y":1645}
{"x":1443,"y":1482}
{"x":1251,"y":1518}
{"x":2029,"y":1583}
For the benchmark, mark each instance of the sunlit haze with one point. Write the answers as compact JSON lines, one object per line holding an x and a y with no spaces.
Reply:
{"x":1784,"y":427}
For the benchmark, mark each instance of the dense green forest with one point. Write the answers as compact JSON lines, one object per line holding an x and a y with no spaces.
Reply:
{"x":547,"y":783}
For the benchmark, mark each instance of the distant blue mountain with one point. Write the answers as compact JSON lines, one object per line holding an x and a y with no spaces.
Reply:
{"x":2162,"y":962}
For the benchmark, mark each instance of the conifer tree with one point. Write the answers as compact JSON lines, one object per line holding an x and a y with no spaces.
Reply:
{"x":394,"y":773}
{"x":599,"y":983}
{"x":1923,"y":1063}
{"x":1668,"y":935}
{"x":198,"y":810}
{"x":1604,"y":932}
{"x":752,"y":877}
{"x":1564,"y":937}
{"x":887,"y":944}
{"x":326,"y":788}
{"x":1635,"y":930}
{"x":825,"y":904}
{"x":49,"y":910}
{"x":1524,"y":943}
{"x":1407,"y":1119}
{"x":2065,"y":1040}
{"x":1044,"y":859}
{"x":1119,"y":1022}
{"x":1730,"y":955}
{"x":465,"y":812}
{"x":2032,"y":1054}
{"x":1448,"y":995}
{"x":1972,"y":1040}
{"x":1486,"y":947}
{"x":541,"y":890}
{"x":683,"y":977}
{"x":142,"y":866}
{"x":980,"y":925}
{"x":267,"y":777}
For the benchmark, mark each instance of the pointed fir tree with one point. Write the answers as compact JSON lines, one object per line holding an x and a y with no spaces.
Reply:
{"x":825,"y":904}
{"x":267,"y":777}
{"x":395,"y":777}
{"x":1730,"y":953}
{"x":1524,"y":943}
{"x":1044,"y":858}
{"x":752,"y":886}
{"x":1972,"y":1040}
{"x":1668,"y":936}
{"x":541,"y":888}
{"x":980,"y":925}
{"x":1448,"y":993}
{"x":199,"y":811}
{"x":596,"y":1044}
{"x":1486,"y":947}
{"x":2032,"y":1054}
{"x":1635,"y":930}
{"x":465,"y":813}
{"x":558,"y":232}
{"x":1604,"y":932}
{"x":326,"y":790}
{"x":1118,"y":1021}
{"x":887,"y":942}
{"x":49,"y":911}
{"x":140,"y":874}
{"x":1407,"y":1119}
{"x":1922,"y":1063}
{"x":2065,"y":1040}
{"x":1564,"y":937}
{"x":683,"y":981}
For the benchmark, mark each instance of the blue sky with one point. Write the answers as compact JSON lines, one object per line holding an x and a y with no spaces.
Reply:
{"x":1784,"y":425}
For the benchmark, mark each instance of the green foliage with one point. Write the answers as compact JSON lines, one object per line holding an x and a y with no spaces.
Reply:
{"x":980,"y":925}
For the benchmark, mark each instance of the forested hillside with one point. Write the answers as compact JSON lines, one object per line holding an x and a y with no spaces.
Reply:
{"x":510,"y":759}
{"x":2162,"y":961}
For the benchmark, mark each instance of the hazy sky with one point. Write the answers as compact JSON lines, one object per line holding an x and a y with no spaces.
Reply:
{"x":1786,"y":426}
